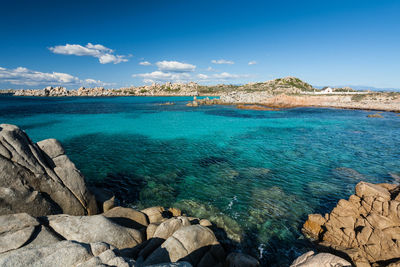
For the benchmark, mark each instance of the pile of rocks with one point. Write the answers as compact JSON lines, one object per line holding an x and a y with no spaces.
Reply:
{"x":364,"y":229}
{"x":44,"y":218}
{"x":203,"y":102}
{"x":167,"y":89}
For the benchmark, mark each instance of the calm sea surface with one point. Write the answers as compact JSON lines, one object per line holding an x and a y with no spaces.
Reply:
{"x":256,"y":174}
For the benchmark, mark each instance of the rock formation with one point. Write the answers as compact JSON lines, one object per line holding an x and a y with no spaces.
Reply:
{"x":167,"y":89}
{"x":39,"y":179}
{"x":365,"y":229}
{"x":99,"y":240}
{"x":310,"y":259}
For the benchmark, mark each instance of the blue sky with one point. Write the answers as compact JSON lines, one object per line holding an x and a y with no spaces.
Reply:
{"x":99,"y":42}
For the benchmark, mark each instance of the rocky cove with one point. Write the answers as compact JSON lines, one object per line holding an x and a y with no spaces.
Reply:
{"x":49,"y":214}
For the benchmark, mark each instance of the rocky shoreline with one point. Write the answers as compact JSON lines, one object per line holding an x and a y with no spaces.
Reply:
{"x":289,"y":92}
{"x":48,"y":217}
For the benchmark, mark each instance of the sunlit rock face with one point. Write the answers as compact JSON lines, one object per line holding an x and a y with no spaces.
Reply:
{"x":366,"y":227}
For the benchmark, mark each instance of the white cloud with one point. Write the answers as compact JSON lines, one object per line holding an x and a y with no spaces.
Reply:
{"x":160,"y":76}
{"x":226,"y":75}
{"x":145,"y":63}
{"x":104,"y":54}
{"x":202,"y":76}
{"x":24,"y":76}
{"x":175,"y":66}
{"x":211,"y":69}
{"x":222,"y":61}
{"x":253,"y":62}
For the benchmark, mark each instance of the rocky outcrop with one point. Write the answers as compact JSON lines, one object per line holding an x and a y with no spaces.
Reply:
{"x":39,"y":179}
{"x":161,"y":233}
{"x":97,"y":240}
{"x":195,"y":244}
{"x":310,"y":259}
{"x":167,"y":89}
{"x":96,"y":228}
{"x":128,"y":217}
{"x":365,"y":228}
{"x":66,"y":253}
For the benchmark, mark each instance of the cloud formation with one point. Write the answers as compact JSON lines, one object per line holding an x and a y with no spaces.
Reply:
{"x":222,"y":61}
{"x":175,"y":66}
{"x":227,"y":76}
{"x":104,"y":54}
{"x":24,"y":76}
{"x":145,"y":63}
{"x":160,"y":76}
{"x":253,"y":62}
{"x":202,"y":76}
{"x":168,"y":71}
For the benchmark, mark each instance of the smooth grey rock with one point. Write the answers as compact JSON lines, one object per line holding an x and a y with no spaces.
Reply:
{"x":64,"y":253}
{"x":155,"y":214}
{"x":15,"y":230}
{"x":109,"y":204}
{"x":97,"y":228}
{"x":128,"y":217}
{"x":310,"y":259}
{"x":38,"y":183}
{"x":43,"y":236}
{"x":190,"y":243}
{"x":150,"y":230}
{"x":162,"y":232}
{"x":51,"y":147}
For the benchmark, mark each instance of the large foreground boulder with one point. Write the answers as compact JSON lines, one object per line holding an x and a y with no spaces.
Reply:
{"x":366,"y":227}
{"x":39,"y":179}
{"x":97,"y":228}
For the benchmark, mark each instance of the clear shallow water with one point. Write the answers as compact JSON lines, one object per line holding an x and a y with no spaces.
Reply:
{"x":257,"y":174}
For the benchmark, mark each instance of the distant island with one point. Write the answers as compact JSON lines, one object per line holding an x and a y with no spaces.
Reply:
{"x":285,"y":92}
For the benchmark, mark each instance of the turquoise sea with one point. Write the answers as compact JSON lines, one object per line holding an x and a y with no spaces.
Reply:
{"x":256,"y":174}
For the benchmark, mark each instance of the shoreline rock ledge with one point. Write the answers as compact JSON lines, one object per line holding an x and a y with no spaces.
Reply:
{"x":48,"y":217}
{"x":364,"y":230}
{"x":38,"y":178}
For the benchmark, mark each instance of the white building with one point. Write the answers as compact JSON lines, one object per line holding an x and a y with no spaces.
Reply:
{"x":327,"y":90}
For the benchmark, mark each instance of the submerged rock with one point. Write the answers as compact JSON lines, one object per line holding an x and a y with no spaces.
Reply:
{"x":348,"y":173}
{"x":214,"y":215}
{"x":366,"y":227}
{"x":39,"y":179}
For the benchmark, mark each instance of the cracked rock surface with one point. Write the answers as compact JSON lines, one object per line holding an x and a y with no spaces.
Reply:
{"x":365,"y":228}
{"x":38,"y":178}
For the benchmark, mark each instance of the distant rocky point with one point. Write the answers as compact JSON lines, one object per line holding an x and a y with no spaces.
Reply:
{"x":167,"y":89}
{"x":285,"y":92}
